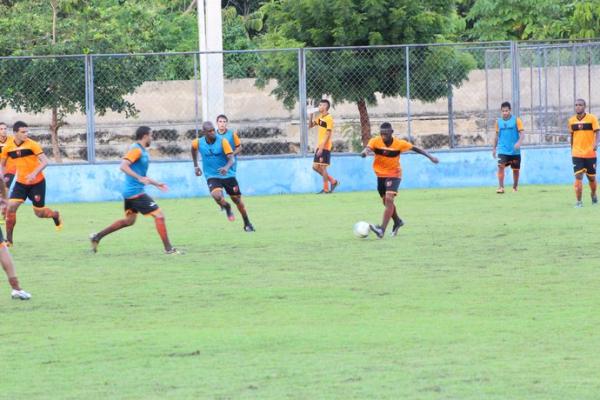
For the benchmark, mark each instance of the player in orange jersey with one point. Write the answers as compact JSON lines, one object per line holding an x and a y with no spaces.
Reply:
{"x":322,"y":158}
{"x":386,"y":165}
{"x":584,"y":130}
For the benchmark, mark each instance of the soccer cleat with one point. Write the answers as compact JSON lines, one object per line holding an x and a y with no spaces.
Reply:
{"x":173,"y":250}
{"x":58,"y":222}
{"x":94,"y":241}
{"x":396,"y":227}
{"x":579,"y":204}
{"x":249,"y":228}
{"x":515,"y":190}
{"x":500,"y":190}
{"x":323,"y":191}
{"x":230,"y":215}
{"x":20,"y":295}
{"x":334,"y":185}
{"x":8,"y":243}
{"x":377,"y":230}
{"x":594,"y":200}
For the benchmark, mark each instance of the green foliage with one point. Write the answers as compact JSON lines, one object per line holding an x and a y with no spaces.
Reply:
{"x":585,"y":22}
{"x":236,"y":37}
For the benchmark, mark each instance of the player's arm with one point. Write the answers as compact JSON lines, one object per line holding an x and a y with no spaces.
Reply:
{"x":367,"y":151}
{"x":230,"y":158}
{"x":126,"y":168}
{"x":197,"y":169}
{"x":311,"y":121}
{"x":237,"y":143}
{"x":597,"y":132}
{"x":426,"y":154}
{"x":495,"y":141}
{"x":43,"y":163}
{"x":321,"y":145}
{"x":521,"y":134}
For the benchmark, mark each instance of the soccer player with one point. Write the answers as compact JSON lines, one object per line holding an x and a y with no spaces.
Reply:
{"x":509,"y":136}
{"x":322,"y":158}
{"x":6,"y":260}
{"x":217,"y":160}
{"x":135,"y":166}
{"x":584,"y":129}
{"x":30,"y":161}
{"x":386,"y":165}
{"x":233,"y":139}
{"x":9,"y":171}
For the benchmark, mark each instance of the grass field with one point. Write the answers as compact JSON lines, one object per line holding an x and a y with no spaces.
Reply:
{"x":481,"y":296}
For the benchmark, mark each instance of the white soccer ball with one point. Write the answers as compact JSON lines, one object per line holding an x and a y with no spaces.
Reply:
{"x":361,"y":229}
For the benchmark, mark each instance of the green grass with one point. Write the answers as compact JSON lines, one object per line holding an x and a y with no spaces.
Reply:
{"x":480,"y":297}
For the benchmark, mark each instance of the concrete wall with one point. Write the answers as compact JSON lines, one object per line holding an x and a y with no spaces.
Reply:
{"x":101,"y":182}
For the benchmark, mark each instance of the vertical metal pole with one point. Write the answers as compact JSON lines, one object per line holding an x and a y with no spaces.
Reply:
{"x":302,"y":99}
{"x":196,"y":102}
{"x":451,"y":138}
{"x":487,"y":94}
{"x":559,"y":99}
{"x":502,"y":75}
{"x":90,"y":109}
{"x":531,"y":90}
{"x":539,"y":107}
{"x":574,"y":61}
{"x":515,"y":78}
{"x":545,"y":91}
{"x":589,"y":99}
{"x":408,"y":116}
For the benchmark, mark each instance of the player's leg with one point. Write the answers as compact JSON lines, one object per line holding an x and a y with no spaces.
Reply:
{"x":321,"y":170}
{"x":516,"y":169}
{"x":500,"y":174}
{"x":591,"y":175}
{"x":579,"y":169}
{"x":130,"y":217}
{"x":8,"y":180}
{"x":9,"y":269}
{"x":215,"y":186}
{"x":237,"y":200}
{"x":11,"y":219}
{"x":37,"y":195}
{"x":161,"y":228}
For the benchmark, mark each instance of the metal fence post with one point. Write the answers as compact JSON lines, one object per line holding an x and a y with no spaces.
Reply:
{"x":302,"y":99}
{"x":487,"y":93}
{"x":515,"y":67}
{"x":451,"y":139}
{"x":196,"y":102}
{"x":90,"y":110}
{"x":408,"y":117}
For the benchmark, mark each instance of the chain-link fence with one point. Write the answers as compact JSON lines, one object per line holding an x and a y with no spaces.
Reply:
{"x":86,"y":108}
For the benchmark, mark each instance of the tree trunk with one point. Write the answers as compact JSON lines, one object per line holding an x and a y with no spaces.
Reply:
{"x":54,"y":126}
{"x":365,"y":123}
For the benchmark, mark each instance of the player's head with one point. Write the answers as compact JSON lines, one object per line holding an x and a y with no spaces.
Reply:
{"x":208,"y":129}
{"x":20,"y":130}
{"x":222,"y":122}
{"x":324,"y":105}
{"x":505,"y":109}
{"x":386,"y":130}
{"x":580,"y":106}
{"x":143,"y":134}
{"x":2,"y":130}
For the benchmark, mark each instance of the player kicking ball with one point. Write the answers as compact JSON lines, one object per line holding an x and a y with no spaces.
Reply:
{"x":217,"y":161}
{"x":386,"y":164}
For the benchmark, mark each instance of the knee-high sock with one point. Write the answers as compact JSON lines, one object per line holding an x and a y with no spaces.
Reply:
{"x":161,"y":228}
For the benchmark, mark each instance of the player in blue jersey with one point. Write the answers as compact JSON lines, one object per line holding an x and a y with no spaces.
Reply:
{"x":217,"y":160}
{"x":135,"y":166}
{"x":507,"y":144}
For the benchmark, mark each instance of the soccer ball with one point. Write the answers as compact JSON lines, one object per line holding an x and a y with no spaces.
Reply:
{"x":361,"y":229}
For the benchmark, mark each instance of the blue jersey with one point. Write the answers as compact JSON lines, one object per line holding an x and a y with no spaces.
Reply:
{"x":508,"y":135}
{"x":214,"y":156}
{"x":234,"y":141}
{"x":139,"y":159}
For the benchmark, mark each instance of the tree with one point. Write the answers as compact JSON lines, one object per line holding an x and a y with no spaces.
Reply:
{"x":357,"y":75}
{"x":41,"y":27}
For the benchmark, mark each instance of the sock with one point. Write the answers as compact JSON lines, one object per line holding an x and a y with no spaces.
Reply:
{"x":578,"y":190}
{"x":11,"y":221}
{"x":161,"y":228}
{"x":331,"y":179}
{"x":593,"y":187}
{"x":326,"y":186}
{"x":395,"y":216}
{"x":115,"y":226}
{"x":14,"y":283}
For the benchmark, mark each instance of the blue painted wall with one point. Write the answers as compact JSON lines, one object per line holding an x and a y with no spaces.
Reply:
{"x":101,"y":182}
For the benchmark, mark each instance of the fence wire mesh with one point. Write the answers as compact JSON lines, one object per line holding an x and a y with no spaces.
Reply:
{"x":86,"y":108}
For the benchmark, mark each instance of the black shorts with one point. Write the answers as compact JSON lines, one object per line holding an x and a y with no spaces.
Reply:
{"x":8,"y":179}
{"x":385,"y":185}
{"x":36,"y":193}
{"x":584,"y":166}
{"x":506,"y":160}
{"x":324,"y":159}
{"x":140,"y":204}
{"x":230,"y":185}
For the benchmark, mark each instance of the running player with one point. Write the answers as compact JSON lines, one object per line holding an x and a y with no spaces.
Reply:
{"x":509,"y":136}
{"x":217,"y":160}
{"x":30,"y":161}
{"x":9,"y":171}
{"x":387,"y":167}
{"x":322,"y":158}
{"x":584,"y":130}
{"x":135,"y":166}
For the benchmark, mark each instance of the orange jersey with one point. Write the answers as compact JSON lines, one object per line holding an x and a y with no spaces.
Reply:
{"x":387,"y":158}
{"x":10,"y":167}
{"x":325,"y":123}
{"x":25,"y":158}
{"x":583,"y":132}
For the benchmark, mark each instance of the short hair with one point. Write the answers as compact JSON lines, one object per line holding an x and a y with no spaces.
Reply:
{"x":222,"y":116}
{"x":141,"y":132}
{"x":3,"y":123}
{"x":505,"y":104}
{"x":386,"y":127}
{"x":207,"y":126}
{"x":581,"y":100}
{"x":18,"y":125}
{"x":326,"y":102}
